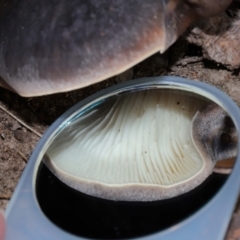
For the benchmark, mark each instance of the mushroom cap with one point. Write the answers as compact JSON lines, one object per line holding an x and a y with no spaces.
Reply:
{"x":135,"y":147}
{"x":48,"y":46}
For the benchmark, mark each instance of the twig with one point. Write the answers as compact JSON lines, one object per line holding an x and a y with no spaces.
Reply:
{"x":188,"y":60}
{"x":5,"y":197}
{"x":20,"y":121}
{"x":22,"y":155}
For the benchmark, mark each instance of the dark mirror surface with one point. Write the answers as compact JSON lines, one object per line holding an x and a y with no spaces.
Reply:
{"x":93,"y":217}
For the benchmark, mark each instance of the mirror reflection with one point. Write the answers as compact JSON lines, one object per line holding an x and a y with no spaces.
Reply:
{"x":144,"y":148}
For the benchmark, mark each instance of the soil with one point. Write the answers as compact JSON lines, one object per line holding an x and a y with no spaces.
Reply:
{"x":17,"y":140}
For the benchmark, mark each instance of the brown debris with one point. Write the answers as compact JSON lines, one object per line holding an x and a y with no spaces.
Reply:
{"x":219,"y":38}
{"x":22,"y":136}
{"x":234,"y":229}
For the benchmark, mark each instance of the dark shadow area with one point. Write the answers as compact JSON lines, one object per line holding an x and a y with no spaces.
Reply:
{"x":194,"y":50}
{"x":214,"y":65}
{"x":91,"y":217}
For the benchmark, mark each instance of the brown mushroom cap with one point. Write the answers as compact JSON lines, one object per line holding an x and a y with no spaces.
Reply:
{"x":49,"y":46}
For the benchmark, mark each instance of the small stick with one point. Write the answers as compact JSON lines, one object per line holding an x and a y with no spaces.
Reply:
{"x":22,"y":155}
{"x":20,"y":121}
{"x":186,"y":61}
{"x":5,"y":197}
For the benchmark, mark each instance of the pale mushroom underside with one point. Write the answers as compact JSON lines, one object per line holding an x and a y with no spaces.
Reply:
{"x":135,"y":147}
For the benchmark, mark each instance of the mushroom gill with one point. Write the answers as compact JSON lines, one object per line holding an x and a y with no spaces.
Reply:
{"x":136,"y":147}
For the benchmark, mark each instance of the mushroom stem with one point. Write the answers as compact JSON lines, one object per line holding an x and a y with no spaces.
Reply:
{"x":215,"y":133}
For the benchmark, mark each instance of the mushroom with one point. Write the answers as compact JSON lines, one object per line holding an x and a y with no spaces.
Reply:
{"x":57,"y":46}
{"x":140,"y":146}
